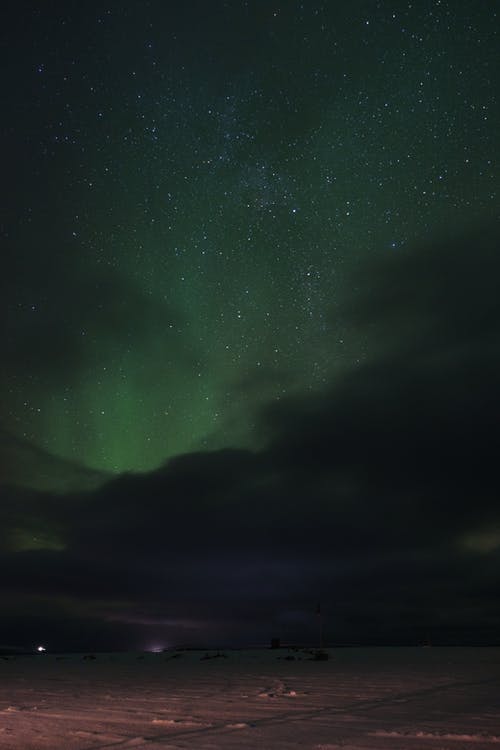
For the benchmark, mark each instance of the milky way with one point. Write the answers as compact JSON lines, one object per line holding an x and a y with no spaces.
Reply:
{"x":193,"y":193}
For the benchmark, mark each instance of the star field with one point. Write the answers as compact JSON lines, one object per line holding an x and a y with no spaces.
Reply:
{"x":193,"y":193}
{"x":249,"y":323}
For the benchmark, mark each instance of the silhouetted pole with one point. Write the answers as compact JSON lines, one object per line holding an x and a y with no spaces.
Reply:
{"x":320,"y":622}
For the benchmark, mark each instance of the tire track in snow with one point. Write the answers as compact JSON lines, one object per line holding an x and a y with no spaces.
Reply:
{"x":299,"y":715}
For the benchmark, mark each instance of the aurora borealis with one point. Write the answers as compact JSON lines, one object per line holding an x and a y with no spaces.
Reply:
{"x":229,"y":230}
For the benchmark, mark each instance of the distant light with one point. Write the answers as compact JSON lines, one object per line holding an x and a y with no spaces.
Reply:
{"x":41,"y":648}
{"x":156,"y":648}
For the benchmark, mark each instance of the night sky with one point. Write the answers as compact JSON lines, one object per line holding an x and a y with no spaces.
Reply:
{"x":249,"y":323}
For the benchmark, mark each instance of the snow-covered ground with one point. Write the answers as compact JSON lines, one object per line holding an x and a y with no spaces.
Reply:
{"x":400,"y":699}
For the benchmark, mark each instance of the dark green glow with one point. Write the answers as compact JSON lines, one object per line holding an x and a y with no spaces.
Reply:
{"x":203,"y":227}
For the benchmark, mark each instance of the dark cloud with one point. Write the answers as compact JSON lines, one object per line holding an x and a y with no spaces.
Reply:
{"x":377,"y":495}
{"x":25,"y":464}
{"x":58,"y":328}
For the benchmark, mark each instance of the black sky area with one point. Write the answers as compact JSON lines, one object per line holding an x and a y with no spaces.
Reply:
{"x":249,"y":324}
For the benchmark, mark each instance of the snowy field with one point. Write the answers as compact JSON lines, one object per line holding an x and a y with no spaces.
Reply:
{"x":405,"y":699}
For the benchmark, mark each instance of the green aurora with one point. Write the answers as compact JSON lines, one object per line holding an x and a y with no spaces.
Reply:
{"x":188,"y":224}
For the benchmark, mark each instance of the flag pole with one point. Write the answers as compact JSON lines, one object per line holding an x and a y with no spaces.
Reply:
{"x":320,"y":620}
